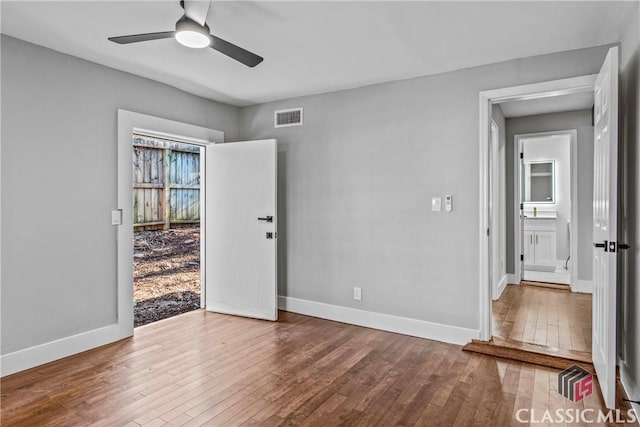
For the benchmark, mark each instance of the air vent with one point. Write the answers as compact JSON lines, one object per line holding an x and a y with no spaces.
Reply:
{"x":286,"y":118}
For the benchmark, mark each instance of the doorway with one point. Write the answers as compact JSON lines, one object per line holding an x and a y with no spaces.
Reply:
{"x":167,"y":233}
{"x":239,"y":237}
{"x":604,"y":178}
{"x":546,"y":192}
{"x":158,"y":129}
{"x":536,"y":92}
{"x":538,"y":306}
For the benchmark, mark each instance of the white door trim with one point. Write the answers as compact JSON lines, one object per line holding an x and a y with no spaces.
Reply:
{"x":128,"y":123}
{"x":517,"y":223}
{"x":486,"y":99}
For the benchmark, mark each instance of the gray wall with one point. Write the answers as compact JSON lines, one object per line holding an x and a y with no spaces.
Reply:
{"x":629,"y":320}
{"x":356,"y":182}
{"x":59,"y":184}
{"x":580,"y":120}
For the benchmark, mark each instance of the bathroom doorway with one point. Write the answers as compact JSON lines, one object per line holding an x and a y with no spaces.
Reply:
{"x":547,"y":178}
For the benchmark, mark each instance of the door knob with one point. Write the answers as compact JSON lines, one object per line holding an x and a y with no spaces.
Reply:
{"x":267,"y":218}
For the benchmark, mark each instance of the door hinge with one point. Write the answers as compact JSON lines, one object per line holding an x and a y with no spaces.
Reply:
{"x":487,"y":231}
{"x":521,"y":206}
{"x":521,"y":257}
{"x":522,"y":155}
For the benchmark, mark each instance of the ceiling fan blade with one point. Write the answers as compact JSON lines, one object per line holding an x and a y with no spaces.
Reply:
{"x":236,"y":52}
{"x":135,"y":38}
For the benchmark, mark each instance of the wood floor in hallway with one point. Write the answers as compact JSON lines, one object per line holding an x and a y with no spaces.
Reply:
{"x":543,"y":316}
{"x":209,"y":369}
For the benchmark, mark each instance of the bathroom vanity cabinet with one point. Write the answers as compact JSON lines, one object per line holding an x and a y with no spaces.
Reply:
{"x":540,"y":244}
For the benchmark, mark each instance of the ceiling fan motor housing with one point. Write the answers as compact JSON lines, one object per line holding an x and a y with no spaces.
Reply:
{"x":192,"y":34}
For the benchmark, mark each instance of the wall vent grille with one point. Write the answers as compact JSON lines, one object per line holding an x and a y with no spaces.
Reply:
{"x":286,"y":118}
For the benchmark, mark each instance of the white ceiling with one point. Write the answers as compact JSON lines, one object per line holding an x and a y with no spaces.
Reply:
{"x":553,"y":104}
{"x":314,"y":47}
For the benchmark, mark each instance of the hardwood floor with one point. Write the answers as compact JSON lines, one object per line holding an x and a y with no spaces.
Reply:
{"x":208,"y":369}
{"x":544,"y":316}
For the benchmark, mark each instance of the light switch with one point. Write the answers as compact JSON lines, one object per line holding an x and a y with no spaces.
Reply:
{"x":116,"y":217}
{"x":436,"y":204}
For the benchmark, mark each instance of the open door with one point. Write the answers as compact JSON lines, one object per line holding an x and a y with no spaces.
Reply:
{"x":525,"y":240}
{"x":605,"y":202}
{"x":494,"y":205}
{"x":241,"y":232}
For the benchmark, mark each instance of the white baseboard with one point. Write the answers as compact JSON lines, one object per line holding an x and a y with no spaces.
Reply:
{"x":545,"y":276}
{"x":630,"y":385}
{"x":20,"y":360}
{"x":583,"y":286}
{"x":513,"y":279}
{"x":385,"y":322}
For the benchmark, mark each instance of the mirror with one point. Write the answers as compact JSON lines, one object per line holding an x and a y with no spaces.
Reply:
{"x":539,"y":181}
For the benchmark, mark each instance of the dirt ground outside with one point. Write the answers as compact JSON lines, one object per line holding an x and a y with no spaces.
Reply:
{"x":166,"y":273}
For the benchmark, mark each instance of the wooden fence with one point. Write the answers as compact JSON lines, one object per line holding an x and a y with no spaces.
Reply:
{"x":166,"y":183}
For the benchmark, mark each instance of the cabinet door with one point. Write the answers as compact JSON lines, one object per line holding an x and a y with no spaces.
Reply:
{"x":545,"y":243}
{"x":529,"y":247}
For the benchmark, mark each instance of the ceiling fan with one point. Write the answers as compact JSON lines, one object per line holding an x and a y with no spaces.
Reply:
{"x":192,"y":34}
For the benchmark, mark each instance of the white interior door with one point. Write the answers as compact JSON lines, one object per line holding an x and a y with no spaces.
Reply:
{"x":605,"y":225}
{"x":241,"y":275}
{"x":494,"y":206}
{"x":526,"y":253}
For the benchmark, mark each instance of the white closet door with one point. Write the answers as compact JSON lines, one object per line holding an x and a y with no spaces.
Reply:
{"x":241,"y":249}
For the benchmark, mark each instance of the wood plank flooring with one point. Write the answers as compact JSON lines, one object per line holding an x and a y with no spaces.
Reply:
{"x":544,"y":316}
{"x":208,"y":369}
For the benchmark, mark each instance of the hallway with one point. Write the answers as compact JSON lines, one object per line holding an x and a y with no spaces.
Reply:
{"x":543,"y":316}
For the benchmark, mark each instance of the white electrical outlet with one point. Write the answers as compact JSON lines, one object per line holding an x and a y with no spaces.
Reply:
{"x":357,"y":293}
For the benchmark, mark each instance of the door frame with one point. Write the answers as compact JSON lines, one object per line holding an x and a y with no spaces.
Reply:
{"x":517,"y":196}
{"x":486,"y":100}
{"x":129,"y":123}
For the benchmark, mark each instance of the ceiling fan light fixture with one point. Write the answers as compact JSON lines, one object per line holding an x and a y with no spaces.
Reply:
{"x":192,"y":39}
{"x":190,"y":34}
